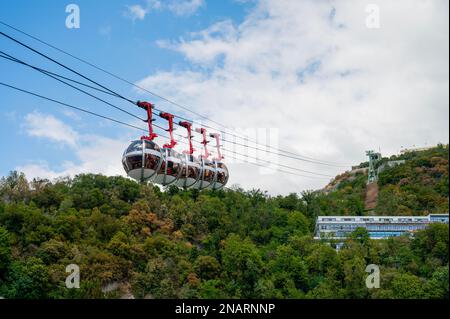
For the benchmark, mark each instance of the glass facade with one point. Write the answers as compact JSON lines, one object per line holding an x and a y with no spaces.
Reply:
{"x":377,"y":226}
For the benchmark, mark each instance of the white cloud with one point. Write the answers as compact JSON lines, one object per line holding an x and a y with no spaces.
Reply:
{"x":314,"y":70}
{"x":47,"y":126}
{"x":136,"y":12}
{"x":90,"y":153}
{"x":105,"y":31}
{"x":185,"y":7}
{"x":39,"y":170}
{"x":71,"y":114}
{"x":178,"y":7}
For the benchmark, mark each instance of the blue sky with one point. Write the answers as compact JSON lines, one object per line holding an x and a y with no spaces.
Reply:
{"x":314,"y":77}
{"x":108,"y":37}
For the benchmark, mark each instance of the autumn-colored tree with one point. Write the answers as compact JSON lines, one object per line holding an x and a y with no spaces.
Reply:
{"x":140,"y":240}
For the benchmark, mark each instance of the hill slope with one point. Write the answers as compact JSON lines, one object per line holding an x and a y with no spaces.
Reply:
{"x":417,"y":187}
{"x":134,"y":240}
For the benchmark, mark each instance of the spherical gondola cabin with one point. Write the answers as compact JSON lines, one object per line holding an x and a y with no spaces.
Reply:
{"x":142,"y":160}
{"x":222,"y":176}
{"x":208,"y":173}
{"x":190,"y":172}
{"x":221,"y":171}
{"x":171,"y":168}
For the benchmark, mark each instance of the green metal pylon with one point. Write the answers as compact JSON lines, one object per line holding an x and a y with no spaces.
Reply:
{"x":373,"y":159}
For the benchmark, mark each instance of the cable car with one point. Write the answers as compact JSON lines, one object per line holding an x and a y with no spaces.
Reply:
{"x":171,"y":167}
{"x":145,"y":161}
{"x":191,"y":172}
{"x":208,"y":171}
{"x":221,"y":171}
{"x":142,"y":159}
{"x":207,"y":174}
{"x":191,"y":166}
{"x":222,"y":175}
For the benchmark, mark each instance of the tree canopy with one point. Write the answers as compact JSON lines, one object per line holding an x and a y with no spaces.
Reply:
{"x":136,"y":240}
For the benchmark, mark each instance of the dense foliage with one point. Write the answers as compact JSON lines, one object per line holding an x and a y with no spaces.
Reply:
{"x":417,"y":187}
{"x":135,"y":240}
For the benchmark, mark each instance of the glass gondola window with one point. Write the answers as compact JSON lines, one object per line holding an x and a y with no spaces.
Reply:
{"x":183,"y":170}
{"x":151,"y":146}
{"x":222,"y":173}
{"x":209,"y":172}
{"x":221,"y":177}
{"x":162,"y":169}
{"x":189,"y":171}
{"x":124,"y":164}
{"x":134,"y":147}
{"x":134,"y":162}
{"x":170,"y":169}
{"x":210,"y":177}
{"x":151,"y":161}
{"x":193,"y":172}
{"x":143,"y":158}
{"x":173,"y":169}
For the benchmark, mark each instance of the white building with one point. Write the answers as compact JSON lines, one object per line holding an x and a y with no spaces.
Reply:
{"x":339,"y":227}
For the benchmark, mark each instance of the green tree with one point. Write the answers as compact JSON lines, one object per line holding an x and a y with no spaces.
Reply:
{"x":242,"y":265}
{"x":297,"y":223}
{"x":437,"y":286}
{"x":207,"y":267}
{"x":29,"y":279}
{"x":360,"y":235}
{"x":354,"y":277}
{"x":407,"y":286}
{"x":5,"y":251}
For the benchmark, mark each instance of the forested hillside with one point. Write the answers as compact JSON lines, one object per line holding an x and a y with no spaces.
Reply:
{"x":133,"y":240}
{"x":417,"y":187}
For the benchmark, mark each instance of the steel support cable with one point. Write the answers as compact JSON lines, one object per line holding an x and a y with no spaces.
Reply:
{"x":13,"y":59}
{"x":246,"y":159}
{"x":236,"y":153}
{"x":275,"y":153}
{"x":120,"y":96}
{"x":292,"y":154}
{"x":71,"y":106}
{"x":249,"y":157}
{"x":109,"y":73}
{"x":286,"y":172}
{"x":64,"y":66}
{"x":263,"y":150}
{"x":124,"y":123}
{"x":78,"y":89}
{"x":50,"y":74}
{"x":277,"y":164}
{"x":298,"y":156}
